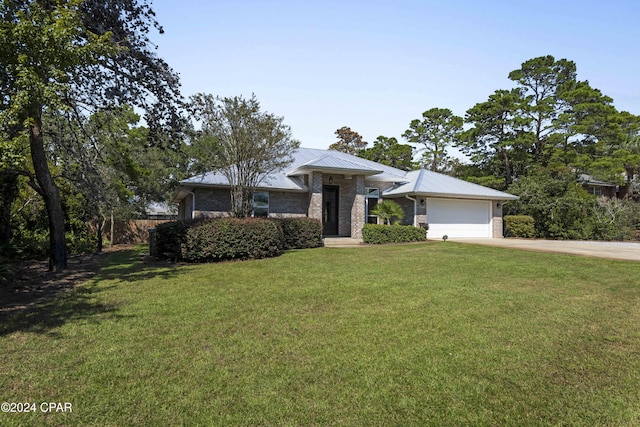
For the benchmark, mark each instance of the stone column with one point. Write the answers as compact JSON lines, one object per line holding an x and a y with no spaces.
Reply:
{"x":315,"y":195}
{"x":357,"y":210}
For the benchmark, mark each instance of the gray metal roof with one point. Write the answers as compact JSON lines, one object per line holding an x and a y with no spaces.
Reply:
{"x":420,"y":182}
{"x":427,"y":183}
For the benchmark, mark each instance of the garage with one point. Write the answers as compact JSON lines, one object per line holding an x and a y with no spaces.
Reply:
{"x":458,"y":218}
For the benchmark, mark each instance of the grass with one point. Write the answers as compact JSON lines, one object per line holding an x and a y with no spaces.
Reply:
{"x":421,"y":334}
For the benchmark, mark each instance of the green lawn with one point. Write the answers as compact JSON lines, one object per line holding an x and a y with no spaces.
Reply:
{"x":419,"y":334}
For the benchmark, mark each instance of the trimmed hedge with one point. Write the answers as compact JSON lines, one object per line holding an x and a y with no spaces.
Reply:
{"x":519,"y":226}
{"x":168,"y":239}
{"x":300,"y":233}
{"x":219,"y":239}
{"x":232,"y":238}
{"x":378,"y":233}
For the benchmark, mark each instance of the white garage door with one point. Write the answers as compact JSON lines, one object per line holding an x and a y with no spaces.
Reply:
{"x":458,"y":218}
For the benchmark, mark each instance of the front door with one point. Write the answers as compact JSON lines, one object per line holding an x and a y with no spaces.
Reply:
{"x":330,"y":210}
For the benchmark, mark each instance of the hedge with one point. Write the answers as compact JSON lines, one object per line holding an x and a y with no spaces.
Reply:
{"x":230,"y":238}
{"x":378,"y":233}
{"x":168,"y":239}
{"x":519,"y":226}
{"x":300,"y":233}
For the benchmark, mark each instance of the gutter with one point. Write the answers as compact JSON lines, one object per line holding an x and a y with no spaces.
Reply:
{"x":415,"y":208}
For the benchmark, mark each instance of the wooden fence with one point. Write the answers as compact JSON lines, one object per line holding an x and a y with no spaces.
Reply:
{"x":130,"y":232}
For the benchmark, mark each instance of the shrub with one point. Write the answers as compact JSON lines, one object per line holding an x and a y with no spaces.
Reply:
{"x":519,"y":226}
{"x":378,"y":233}
{"x":387,"y":210}
{"x":300,"y":233}
{"x":168,"y":239}
{"x":231,"y":238}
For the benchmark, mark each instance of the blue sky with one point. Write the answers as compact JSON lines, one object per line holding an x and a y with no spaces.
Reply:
{"x":376,"y":65}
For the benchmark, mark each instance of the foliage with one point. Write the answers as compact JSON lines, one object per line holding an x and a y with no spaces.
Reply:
{"x":73,"y":57}
{"x":231,"y":238}
{"x":562,"y":209}
{"x":438,"y":129}
{"x":388,"y":151}
{"x":498,"y":133}
{"x":379,"y":234}
{"x":169,"y":238}
{"x":241,"y":142}
{"x":349,"y":141}
{"x":300,"y":233}
{"x":519,"y":226}
{"x":388,"y":211}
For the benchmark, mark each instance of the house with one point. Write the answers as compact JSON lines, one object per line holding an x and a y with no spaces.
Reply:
{"x":600,"y":188}
{"x":342,"y":190}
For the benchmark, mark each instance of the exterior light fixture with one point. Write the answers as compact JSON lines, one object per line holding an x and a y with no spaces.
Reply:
{"x":330,"y":179}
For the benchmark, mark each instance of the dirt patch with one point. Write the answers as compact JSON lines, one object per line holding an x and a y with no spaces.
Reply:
{"x":31,"y":283}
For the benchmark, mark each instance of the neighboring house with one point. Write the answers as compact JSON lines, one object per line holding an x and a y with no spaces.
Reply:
{"x":341,"y":191}
{"x":600,"y":188}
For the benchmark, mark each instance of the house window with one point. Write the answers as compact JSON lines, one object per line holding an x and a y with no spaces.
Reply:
{"x":596,"y":191}
{"x":371,"y":197}
{"x":260,"y":203}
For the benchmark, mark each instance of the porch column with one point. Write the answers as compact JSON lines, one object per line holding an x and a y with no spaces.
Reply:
{"x":315,"y":195}
{"x":358,"y":209}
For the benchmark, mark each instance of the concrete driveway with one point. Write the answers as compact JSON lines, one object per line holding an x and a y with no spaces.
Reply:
{"x":614,"y":250}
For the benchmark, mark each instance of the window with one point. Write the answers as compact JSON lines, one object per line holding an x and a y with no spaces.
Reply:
{"x":261,"y":203}
{"x":596,"y":191}
{"x":371,"y":196}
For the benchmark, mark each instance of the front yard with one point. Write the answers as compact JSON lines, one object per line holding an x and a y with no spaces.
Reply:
{"x":418,"y":334}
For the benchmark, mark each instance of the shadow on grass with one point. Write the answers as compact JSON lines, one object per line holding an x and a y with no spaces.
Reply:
{"x":49,"y":300}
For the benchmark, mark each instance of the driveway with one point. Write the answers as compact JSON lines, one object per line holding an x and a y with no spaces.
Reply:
{"x":614,"y":250}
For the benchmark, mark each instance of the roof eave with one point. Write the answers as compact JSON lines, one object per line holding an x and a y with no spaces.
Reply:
{"x":305,"y":169}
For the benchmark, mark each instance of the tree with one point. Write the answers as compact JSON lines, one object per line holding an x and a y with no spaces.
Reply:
{"x":387,"y":210}
{"x":542,"y":80}
{"x":78,"y":55}
{"x":242,"y":142}
{"x":388,"y":151}
{"x":560,"y":207}
{"x":498,"y":131}
{"x":438,"y":129}
{"x":349,"y":141}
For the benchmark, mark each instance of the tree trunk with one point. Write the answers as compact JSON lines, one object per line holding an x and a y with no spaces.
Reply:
{"x":50,"y":194}
{"x":100,"y":227}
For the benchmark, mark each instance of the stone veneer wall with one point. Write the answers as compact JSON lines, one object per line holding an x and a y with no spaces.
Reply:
{"x":315,"y":196}
{"x":496,"y":220}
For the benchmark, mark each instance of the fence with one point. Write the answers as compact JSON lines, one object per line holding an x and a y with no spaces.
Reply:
{"x":130,"y":232}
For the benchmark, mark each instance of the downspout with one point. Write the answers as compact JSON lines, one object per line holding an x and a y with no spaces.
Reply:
{"x":415,"y":209}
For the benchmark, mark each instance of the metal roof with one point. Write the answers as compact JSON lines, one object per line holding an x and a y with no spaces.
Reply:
{"x":420,"y":182}
{"x":427,"y":183}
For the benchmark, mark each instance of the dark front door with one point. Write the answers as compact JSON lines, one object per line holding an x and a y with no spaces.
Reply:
{"x":330,"y":210}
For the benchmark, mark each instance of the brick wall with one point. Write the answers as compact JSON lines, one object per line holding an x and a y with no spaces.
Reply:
{"x":286,"y":203}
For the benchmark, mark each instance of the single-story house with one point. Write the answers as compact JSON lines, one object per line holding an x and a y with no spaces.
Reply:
{"x":342,"y":190}
{"x":600,"y":188}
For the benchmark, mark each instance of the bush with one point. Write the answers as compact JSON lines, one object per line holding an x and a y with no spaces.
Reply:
{"x":519,"y":226}
{"x":378,"y":233}
{"x":300,"y":233}
{"x":231,"y":238}
{"x":168,"y":240}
